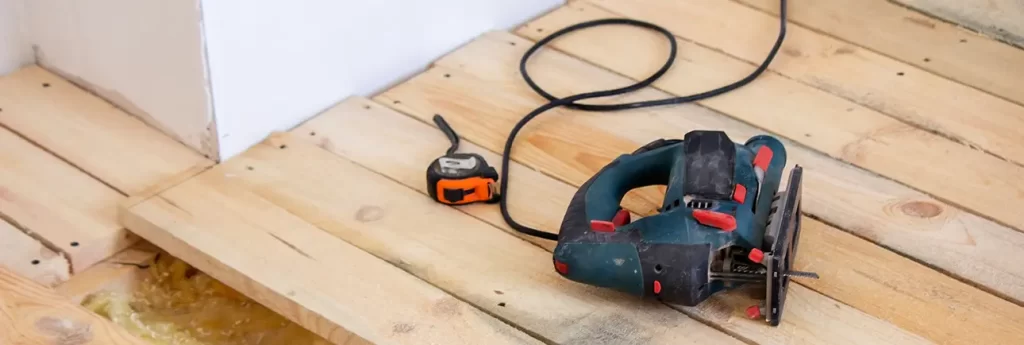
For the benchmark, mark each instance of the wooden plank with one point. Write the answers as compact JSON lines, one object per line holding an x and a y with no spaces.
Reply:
{"x":364,"y":135}
{"x":31,"y":314}
{"x":859,"y":75}
{"x":862,"y":202}
{"x":90,"y":133}
{"x":1002,"y":19}
{"x":494,"y":271}
{"x":483,"y":111}
{"x":59,"y":205}
{"x":916,"y":39}
{"x":127,"y":272}
{"x":807,"y":115}
{"x":301,"y":271}
{"x":27,"y":257}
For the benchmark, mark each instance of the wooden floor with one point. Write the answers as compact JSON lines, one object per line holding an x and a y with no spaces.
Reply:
{"x":910,"y":130}
{"x":67,"y":159}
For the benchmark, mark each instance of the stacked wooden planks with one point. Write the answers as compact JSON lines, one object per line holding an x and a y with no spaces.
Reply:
{"x":912,"y":152}
{"x":67,"y":160}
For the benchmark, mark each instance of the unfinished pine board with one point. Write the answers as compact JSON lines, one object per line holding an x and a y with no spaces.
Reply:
{"x":490,"y":269}
{"x":31,"y":314}
{"x":302,"y":272}
{"x":89,"y":132}
{"x":434,"y":93}
{"x":1003,"y":19}
{"x":57,"y":204}
{"x":484,"y":76}
{"x":916,"y":39}
{"x":859,"y":75}
{"x":27,"y":257}
{"x":366,"y":132}
{"x":807,"y":115}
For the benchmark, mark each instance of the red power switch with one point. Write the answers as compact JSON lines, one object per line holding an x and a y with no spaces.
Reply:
{"x":602,"y":226}
{"x":719,"y":220}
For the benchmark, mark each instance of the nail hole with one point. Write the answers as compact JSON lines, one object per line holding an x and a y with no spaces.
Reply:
{"x":35,"y":262}
{"x":397,"y":102}
{"x":312,"y":134}
{"x":46,"y":84}
{"x":283,"y":146}
{"x":446,"y":75}
{"x":250,"y":168}
{"x":502,"y":304}
{"x":657,"y":268}
{"x":511,"y":43}
{"x":963,"y":40}
{"x":499,"y":292}
{"x":849,"y":109}
{"x":927,"y":59}
{"x":540,"y":30}
{"x":74,"y":244}
{"x":807,"y":135}
{"x":899,"y":73}
{"x":366,"y":107}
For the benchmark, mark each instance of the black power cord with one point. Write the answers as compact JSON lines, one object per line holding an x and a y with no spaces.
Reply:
{"x":570,"y":101}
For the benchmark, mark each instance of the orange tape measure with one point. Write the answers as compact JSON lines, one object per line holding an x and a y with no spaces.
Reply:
{"x":460,"y":178}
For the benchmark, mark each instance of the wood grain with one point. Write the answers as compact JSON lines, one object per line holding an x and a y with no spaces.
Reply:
{"x":807,"y":115}
{"x":25,"y":256}
{"x":366,"y":132}
{"x":31,"y":314}
{"x":927,"y":43}
{"x":487,"y":101}
{"x":489,"y":268}
{"x":89,"y":132}
{"x":997,"y":18}
{"x":328,"y":286}
{"x":59,"y":205}
{"x":858,"y":75}
{"x":870,"y":206}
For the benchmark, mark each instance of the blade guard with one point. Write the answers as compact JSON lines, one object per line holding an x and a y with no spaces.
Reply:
{"x":783,"y":234}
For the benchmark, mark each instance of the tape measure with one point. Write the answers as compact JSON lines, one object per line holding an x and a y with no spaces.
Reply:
{"x":460,"y":178}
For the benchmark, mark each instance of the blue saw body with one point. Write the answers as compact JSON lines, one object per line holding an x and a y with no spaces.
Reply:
{"x":714,"y":213}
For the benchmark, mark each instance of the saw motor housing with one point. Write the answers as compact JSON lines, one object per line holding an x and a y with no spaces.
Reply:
{"x":716,"y":211}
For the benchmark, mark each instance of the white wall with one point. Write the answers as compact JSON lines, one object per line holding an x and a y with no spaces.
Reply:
{"x":274,"y":66}
{"x":146,"y":56}
{"x":221,"y":75}
{"x":15,"y":51}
